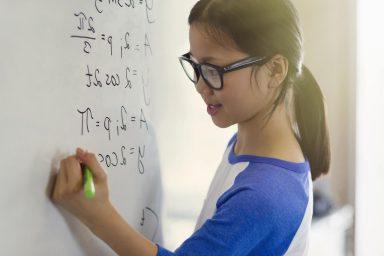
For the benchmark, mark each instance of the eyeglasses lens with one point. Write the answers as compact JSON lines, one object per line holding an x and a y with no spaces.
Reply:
{"x":189,"y":70}
{"x":211,"y":75}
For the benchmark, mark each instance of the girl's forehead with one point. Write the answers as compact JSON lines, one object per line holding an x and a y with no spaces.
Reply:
{"x":204,"y":48}
{"x":201,"y":45}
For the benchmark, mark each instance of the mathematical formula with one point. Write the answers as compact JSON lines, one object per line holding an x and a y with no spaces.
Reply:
{"x":112,"y":59}
{"x":86,"y":33}
{"x":109,"y":124}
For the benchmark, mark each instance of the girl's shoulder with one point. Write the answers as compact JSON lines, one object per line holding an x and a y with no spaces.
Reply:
{"x":277,"y":208}
{"x":273,"y":182}
{"x":269,"y":183}
{"x":271,"y":186}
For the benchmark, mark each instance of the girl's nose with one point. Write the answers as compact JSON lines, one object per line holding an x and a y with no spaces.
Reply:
{"x":203,"y":88}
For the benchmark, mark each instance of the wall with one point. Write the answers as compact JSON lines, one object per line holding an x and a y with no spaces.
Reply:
{"x":330,"y":46}
{"x":370,"y":127}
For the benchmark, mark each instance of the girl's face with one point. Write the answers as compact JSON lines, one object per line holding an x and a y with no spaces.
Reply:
{"x":243,"y":99}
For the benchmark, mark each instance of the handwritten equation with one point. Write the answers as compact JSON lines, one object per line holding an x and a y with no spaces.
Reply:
{"x":108,"y":123}
{"x":85,"y":31}
{"x":119,"y":157}
{"x":87,"y":28}
{"x":115,"y":56}
{"x":149,"y":220}
{"x":126,"y":4}
{"x":125,"y":78}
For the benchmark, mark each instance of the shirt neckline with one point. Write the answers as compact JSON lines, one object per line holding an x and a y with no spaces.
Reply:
{"x":293,"y":166}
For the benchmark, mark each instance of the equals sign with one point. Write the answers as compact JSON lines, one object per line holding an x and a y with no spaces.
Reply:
{"x":132,"y":151}
{"x":133,"y":118}
{"x":134,"y":72}
{"x":97,"y":123}
{"x":102,"y":36}
{"x":140,"y":1}
{"x":137,"y":47}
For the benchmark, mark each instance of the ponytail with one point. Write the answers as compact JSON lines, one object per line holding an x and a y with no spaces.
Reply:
{"x":311,"y":122}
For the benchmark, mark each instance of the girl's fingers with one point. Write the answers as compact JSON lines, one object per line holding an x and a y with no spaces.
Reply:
{"x":73,"y":173}
{"x":69,"y":177}
{"x":60,"y":183}
{"x":91,"y":161}
{"x":62,"y":172}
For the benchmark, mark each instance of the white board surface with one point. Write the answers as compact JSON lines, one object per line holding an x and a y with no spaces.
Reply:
{"x":75,"y":73}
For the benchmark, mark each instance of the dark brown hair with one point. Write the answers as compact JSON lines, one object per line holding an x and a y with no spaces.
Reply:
{"x":266,"y":28}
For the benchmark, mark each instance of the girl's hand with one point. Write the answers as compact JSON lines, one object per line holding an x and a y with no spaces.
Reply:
{"x":98,"y":214}
{"x":68,"y":189}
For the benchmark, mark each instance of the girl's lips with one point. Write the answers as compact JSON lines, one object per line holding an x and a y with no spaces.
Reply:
{"x":213,"y":109}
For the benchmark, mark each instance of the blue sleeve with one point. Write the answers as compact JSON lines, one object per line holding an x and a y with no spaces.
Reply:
{"x":243,"y":220}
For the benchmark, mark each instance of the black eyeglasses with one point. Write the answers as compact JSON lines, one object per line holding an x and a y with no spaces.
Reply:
{"x":212,"y":74}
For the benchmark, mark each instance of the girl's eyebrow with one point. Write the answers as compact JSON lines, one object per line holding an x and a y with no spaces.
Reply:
{"x":204,"y":59}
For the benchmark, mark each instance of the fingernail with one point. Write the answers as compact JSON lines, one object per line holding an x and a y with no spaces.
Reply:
{"x":80,"y":151}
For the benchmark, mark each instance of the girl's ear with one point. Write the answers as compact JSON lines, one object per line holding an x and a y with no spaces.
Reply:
{"x":278,"y":69}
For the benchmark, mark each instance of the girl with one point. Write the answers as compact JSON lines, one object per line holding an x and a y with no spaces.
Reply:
{"x":245,"y":60}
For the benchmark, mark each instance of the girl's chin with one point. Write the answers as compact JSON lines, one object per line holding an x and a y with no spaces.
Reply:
{"x":220,"y":123}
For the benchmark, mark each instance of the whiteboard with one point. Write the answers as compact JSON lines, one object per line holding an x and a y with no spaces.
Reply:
{"x":75,"y":73}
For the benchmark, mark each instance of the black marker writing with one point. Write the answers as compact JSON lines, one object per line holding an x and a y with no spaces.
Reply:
{"x":88,"y":113}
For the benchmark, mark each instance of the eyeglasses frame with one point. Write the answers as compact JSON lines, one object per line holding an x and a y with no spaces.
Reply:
{"x":240,"y":64}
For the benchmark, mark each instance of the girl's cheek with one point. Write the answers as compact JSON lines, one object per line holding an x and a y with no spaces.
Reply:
{"x":220,"y":95}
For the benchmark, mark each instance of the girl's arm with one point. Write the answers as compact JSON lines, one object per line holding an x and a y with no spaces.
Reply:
{"x":121,"y":237}
{"x":98,"y":214}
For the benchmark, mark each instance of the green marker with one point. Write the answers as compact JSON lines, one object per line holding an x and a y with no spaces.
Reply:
{"x":89,"y":186}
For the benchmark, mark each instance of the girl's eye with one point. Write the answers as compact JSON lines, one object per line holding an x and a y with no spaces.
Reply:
{"x":212,"y":72}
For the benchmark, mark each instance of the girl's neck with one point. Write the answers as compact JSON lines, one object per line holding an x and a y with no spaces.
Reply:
{"x":276,"y":139}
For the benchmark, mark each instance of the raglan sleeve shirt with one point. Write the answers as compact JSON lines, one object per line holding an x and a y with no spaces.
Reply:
{"x":244,"y":221}
{"x":258,"y":215}
{"x":233,"y":230}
